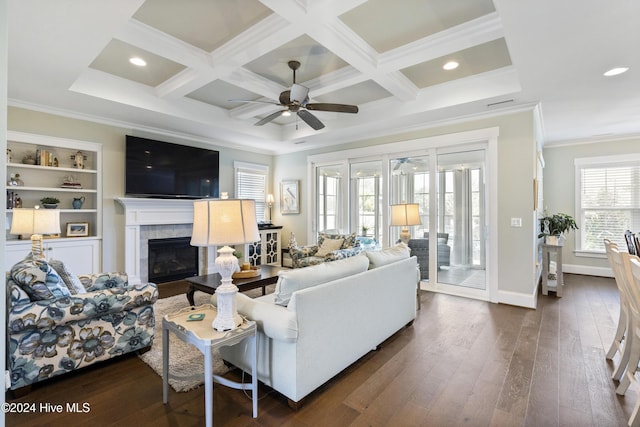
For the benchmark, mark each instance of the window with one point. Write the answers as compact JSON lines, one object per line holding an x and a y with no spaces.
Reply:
{"x":251,"y":183}
{"x":608,"y":200}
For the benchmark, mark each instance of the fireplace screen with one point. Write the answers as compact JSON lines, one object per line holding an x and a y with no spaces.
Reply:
{"x":172,"y":259}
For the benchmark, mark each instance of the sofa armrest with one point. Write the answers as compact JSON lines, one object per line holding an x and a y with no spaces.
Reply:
{"x":48,"y":313}
{"x":275,"y":321}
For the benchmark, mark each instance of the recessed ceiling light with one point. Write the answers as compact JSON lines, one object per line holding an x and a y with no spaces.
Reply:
{"x":451,"y":65}
{"x":616,"y":71}
{"x":138,"y":61}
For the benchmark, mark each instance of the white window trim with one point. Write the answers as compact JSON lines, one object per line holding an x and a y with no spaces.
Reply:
{"x":578,"y":164}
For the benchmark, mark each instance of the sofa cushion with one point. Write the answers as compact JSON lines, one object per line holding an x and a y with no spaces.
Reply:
{"x":328,"y":246}
{"x":70,"y":280}
{"x":38,"y":279}
{"x":291,"y":281}
{"x":387,"y":256}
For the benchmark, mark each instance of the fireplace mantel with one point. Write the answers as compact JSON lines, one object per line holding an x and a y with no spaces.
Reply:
{"x":141,"y":212}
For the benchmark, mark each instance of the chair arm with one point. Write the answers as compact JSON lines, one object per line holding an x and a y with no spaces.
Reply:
{"x":343,"y":253}
{"x":98,"y":281}
{"x":112,"y":303}
{"x":300,"y":252}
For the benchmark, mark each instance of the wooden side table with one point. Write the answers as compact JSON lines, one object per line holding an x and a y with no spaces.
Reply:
{"x":558,"y":283}
{"x":202,"y":335}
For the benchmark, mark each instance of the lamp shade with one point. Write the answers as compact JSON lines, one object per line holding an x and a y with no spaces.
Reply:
{"x":405,"y":214}
{"x":35,"y":221}
{"x":270,"y":199}
{"x":219,"y":222}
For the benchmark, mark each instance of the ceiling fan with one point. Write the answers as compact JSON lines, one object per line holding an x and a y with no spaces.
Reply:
{"x":296,"y":100}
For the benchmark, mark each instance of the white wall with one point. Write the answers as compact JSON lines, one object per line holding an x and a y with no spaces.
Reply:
{"x":559,"y":192}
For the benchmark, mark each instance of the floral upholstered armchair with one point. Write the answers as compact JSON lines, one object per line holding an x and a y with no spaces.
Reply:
{"x":330,"y":247}
{"x":58,"y":322}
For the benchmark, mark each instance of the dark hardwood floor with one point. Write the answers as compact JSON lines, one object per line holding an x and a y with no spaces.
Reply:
{"x":463,"y":362}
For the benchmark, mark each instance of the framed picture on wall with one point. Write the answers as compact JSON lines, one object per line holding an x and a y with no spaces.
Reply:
{"x":290,"y":196}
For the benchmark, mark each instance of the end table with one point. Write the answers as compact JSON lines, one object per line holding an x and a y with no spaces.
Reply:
{"x":550,"y":284}
{"x":201,"y":334}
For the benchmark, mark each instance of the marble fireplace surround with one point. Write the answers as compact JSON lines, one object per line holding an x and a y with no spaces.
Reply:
{"x":156,"y":219}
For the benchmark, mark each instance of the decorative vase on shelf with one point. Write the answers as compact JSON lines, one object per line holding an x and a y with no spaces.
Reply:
{"x":77,"y":202}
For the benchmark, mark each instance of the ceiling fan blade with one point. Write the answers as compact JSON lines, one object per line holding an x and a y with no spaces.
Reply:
{"x":310,"y":119}
{"x":269,"y":118}
{"x":338,"y":108}
{"x":299,"y":93}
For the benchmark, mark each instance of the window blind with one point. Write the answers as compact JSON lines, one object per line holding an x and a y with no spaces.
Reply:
{"x":251,"y":183}
{"x":609,"y":202}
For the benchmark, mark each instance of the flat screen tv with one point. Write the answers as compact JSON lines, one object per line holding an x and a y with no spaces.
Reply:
{"x":166,"y":170}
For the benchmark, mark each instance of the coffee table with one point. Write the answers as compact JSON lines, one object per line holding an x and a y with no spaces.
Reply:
{"x":209,"y":282}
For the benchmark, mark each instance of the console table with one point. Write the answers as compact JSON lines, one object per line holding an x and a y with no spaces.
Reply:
{"x":266,"y":251}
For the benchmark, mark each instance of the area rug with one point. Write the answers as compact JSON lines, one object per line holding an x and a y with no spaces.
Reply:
{"x":185,"y":361}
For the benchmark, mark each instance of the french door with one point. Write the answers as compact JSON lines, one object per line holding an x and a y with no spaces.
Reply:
{"x":449,"y":186}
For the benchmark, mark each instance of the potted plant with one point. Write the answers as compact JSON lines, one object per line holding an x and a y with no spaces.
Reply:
{"x":49,"y":202}
{"x":554,"y":227}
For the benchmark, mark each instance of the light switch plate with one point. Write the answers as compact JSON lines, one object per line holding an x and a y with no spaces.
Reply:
{"x":516,"y":222}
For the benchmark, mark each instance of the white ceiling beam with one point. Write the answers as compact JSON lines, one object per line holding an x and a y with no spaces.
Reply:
{"x":473,"y":33}
{"x":107,"y":86}
{"x":266,"y":35}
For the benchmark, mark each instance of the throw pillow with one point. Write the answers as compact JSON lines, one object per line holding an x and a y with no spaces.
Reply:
{"x":328,"y":246}
{"x":70,"y":280}
{"x":38,"y":279}
{"x":349,"y":241}
{"x":297,"y":279}
{"x":388,"y":256}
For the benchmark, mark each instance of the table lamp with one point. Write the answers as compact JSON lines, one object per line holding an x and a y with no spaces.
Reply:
{"x":225,"y":222}
{"x":35,"y":222}
{"x":270,"y":202}
{"x":404,"y":215}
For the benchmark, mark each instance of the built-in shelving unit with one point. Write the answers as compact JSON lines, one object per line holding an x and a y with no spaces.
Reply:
{"x":51,"y":179}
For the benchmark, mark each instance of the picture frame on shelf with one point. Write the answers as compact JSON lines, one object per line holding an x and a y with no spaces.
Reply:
{"x":77,"y":229}
{"x":290,"y":196}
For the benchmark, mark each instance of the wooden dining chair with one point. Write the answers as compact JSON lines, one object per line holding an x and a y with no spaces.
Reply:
{"x":631,"y":265}
{"x":629,"y":237}
{"x":620,"y":340}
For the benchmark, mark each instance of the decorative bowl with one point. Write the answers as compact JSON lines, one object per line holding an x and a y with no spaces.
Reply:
{"x":49,"y":205}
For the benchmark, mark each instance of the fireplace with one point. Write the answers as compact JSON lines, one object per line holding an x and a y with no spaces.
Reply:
{"x":172,"y":259}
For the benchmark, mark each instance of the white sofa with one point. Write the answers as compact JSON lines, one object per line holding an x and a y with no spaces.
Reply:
{"x":337,"y":312}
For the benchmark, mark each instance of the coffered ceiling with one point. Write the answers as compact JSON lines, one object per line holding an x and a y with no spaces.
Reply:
{"x":386,"y":57}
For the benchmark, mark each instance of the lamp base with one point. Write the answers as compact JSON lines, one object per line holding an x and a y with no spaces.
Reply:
{"x":227,"y":318}
{"x":405,"y":236}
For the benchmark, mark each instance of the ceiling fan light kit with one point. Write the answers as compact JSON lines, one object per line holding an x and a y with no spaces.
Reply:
{"x":296,"y":100}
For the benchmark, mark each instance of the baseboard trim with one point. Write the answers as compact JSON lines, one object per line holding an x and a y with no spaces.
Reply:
{"x":587,"y":270}
{"x":519,"y":299}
